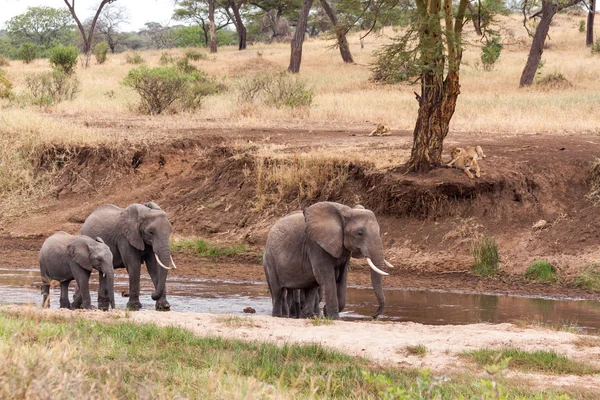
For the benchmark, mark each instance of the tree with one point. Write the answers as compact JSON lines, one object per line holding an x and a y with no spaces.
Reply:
{"x":298,"y":39}
{"x":546,"y":13}
{"x":109,"y":22}
{"x":275,"y":14}
{"x":232,"y":8}
{"x":162,"y":37}
{"x":589,"y":37}
{"x":88,"y":36}
{"x":340,"y":32}
{"x":42,"y":26}
{"x":202,"y":12}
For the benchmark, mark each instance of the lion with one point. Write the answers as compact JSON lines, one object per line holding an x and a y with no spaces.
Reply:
{"x":381,"y":130}
{"x":475,"y":152}
{"x":466,"y":163}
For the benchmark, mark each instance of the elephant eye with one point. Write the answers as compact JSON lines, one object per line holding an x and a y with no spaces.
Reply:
{"x":359,"y":232}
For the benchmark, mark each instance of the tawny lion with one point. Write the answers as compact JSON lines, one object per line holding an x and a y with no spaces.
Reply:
{"x":466,"y":159}
{"x":381,"y":130}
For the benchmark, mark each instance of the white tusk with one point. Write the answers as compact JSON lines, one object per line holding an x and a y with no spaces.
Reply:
{"x":374,"y":268}
{"x":173,"y":261}
{"x":388,"y":264}
{"x":159,"y":263}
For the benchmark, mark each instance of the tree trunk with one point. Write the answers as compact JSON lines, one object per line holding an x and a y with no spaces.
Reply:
{"x":589,"y":37}
{"x":239,"y":24}
{"x":476,"y":21}
{"x":211,"y":18}
{"x":340,"y":32}
{"x":298,"y":39}
{"x":537,"y":46}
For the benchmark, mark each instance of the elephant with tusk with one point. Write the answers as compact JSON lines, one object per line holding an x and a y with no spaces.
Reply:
{"x":313,"y":248}
{"x":136,"y":234}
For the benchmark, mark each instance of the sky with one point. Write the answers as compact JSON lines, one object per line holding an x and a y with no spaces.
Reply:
{"x":140,"y":11}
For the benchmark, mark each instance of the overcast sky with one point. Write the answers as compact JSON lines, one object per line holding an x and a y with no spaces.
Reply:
{"x":140,"y":11}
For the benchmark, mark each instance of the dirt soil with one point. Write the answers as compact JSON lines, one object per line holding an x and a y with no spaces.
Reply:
{"x":380,"y":342}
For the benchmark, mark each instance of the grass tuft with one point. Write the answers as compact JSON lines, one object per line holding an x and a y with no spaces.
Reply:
{"x":534,"y":361}
{"x":555,"y":80}
{"x":587,"y":341}
{"x":319,"y":321}
{"x":485,"y":253}
{"x":589,"y":279}
{"x":594,"y":181}
{"x":542,"y":271}
{"x":233,"y":321}
{"x":417,"y":350}
{"x":205,"y":249}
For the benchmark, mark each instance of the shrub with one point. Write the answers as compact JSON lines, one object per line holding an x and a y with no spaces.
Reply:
{"x":27,"y":52}
{"x":596,"y":47}
{"x":166,"y":58}
{"x":134,"y":58}
{"x":278,"y":90}
{"x":582,"y":26}
{"x":195,"y":55}
{"x":555,"y":80}
{"x":490,"y":53}
{"x":542,"y":271}
{"x":159,"y":88}
{"x":4,"y":61}
{"x":100,"y":52}
{"x":485,"y":253}
{"x":183,"y":64}
{"x":5,"y":85}
{"x":594,"y":182}
{"x":589,"y":279}
{"x":52,"y":87}
{"x":64,"y":58}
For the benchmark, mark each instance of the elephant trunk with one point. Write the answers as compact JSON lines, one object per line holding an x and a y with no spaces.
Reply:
{"x":163,"y":256}
{"x":377,"y":262}
{"x":109,"y":274}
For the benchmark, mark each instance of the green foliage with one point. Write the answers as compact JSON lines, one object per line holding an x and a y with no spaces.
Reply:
{"x":582,"y":26}
{"x":188,"y":36}
{"x":100,"y":52}
{"x":43,"y":26}
{"x":204,"y":249}
{"x":534,"y":361}
{"x":5,"y":85}
{"x":27,"y":52}
{"x":51,"y":87}
{"x":319,"y":321}
{"x":395,"y":62}
{"x":417,"y":350}
{"x":160,"y":88}
{"x":195,"y":55}
{"x":183,"y":64}
{"x":542,"y":271}
{"x":166,"y":59}
{"x":277,"y":90}
{"x":134,"y":58}
{"x":485,"y":253}
{"x":589,"y":279}
{"x":595,"y":49}
{"x":64,"y":58}
{"x":490,"y":53}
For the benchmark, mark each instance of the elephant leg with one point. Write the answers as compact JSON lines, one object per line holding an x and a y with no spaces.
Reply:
{"x":77,"y":299}
{"x":342,"y":286}
{"x":319,"y":295}
{"x":311,"y":302}
{"x":83,"y":282}
{"x":326,"y":278}
{"x":278,"y":297}
{"x":286,"y":303}
{"x":297,"y":300}
{"x":45,"y":296}
{"x":103,"y":300}
{"x":133,"y":262}
{"x":154,"y":269}
{"x":64,"y":295}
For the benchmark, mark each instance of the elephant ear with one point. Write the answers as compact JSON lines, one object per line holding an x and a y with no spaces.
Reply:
{"x":79,"y":252}
{"x":325,"y":226}
{"x":129,"y":225}
{"x":152,"y":206}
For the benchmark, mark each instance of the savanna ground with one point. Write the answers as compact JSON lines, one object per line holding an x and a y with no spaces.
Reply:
{"x":229,"y":170}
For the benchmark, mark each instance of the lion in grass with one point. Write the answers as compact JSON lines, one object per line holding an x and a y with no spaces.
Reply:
{"x":381,"y":130}
{"x":466,"y":159}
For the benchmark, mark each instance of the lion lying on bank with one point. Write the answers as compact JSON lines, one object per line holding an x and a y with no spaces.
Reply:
{"x":466,"y":159}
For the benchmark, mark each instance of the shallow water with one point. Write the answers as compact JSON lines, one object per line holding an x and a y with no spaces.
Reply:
{"x":427,"y":307}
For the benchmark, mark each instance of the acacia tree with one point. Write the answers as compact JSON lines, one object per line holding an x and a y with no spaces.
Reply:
{"x":589,"y":37}
{"x":233,"y":10}
{"x":43,"y":26}
{"x":202,"y":12}
{"x":298,"y":39}
{"x":88,"y":36}
{"x":109,"y":22}
{"x":545,"y":14}
{"x":340,"y":33}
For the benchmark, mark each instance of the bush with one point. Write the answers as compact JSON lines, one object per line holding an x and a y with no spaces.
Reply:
{"x":100,"y":52}
{"x":594,"y":182}
{"x":134,"y":58}
{"x":596,"y":47}
{"x":4,"y":61}
{"x":582,"y":26}
{"x":163,"y":87}
{"x":52,"y":87}
{"x":490,"y":53}
{"x":166,"y":58}
{"x":278,"y":90}
{"x":542,"y":271}
{"x":589,"y":279}
{"x":27,"y":52}
{"x":64,"y":58}
{"x":195,"y":55}
{"x":485,"y":253}
{"x":183,"y":64}
{"x":5,"y":85}
{"x":555,"y":80}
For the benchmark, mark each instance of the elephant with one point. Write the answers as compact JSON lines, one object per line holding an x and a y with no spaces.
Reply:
{"x":313,"y":248}
{"x":136,"y":234}
{"x":301,"y":303}
{"x":65,"y":257}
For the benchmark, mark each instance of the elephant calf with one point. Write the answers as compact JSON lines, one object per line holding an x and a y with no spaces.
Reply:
{"x":65,"y":257}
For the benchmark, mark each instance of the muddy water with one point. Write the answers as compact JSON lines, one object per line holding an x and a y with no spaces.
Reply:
{"x":427,"y":307}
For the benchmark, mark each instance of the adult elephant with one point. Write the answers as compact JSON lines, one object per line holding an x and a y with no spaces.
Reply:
{"x":136,"y":234}
{"x":313,"y":248}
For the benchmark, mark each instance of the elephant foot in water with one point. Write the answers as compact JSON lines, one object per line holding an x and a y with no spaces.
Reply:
{"x":163,"y":305}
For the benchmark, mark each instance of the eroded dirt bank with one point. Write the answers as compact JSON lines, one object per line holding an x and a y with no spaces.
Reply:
{"x":380,"y":342}
{"x":231,"y":187}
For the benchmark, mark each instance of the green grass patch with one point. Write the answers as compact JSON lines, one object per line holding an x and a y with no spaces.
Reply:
{"x":541,"y":271}
{"x":76,"y":358}
{"x":485,"y":253}
{"x":205,"y":249}
{"x":589,"y":279}
{"x":318,"y":321}
{"x":417,"y":350}
{"x":535,"y":361}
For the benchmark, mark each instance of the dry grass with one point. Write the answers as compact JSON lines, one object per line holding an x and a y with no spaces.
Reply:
{"x":232,"y":321}
{"x":587,"y":341}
